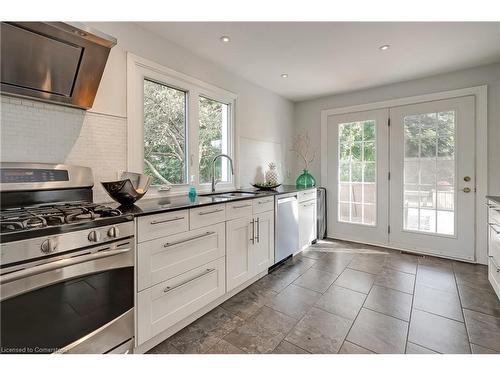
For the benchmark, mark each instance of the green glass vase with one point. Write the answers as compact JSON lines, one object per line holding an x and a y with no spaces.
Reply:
{"x":305,"y":179}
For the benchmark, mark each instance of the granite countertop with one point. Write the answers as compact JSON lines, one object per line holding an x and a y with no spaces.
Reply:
{"x":494,"y":198}
{"x":148,"y":206}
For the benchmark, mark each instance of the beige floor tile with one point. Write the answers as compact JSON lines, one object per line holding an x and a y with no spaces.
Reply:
{"x":316,"y":280}
{"x":380,"y":333}
{"x":320,"y":332}
{"x":262,"y":332}
{"x":355,"y":280}
{"x":438,"y":302}
{"x":483,"y":329}
{"x":342,"y":302}
{"x":294,"y":301}
{"x":390,"y":302}
{"x":404,"y":282}
{"x":440,"y":334}
{"x":350,"y":348}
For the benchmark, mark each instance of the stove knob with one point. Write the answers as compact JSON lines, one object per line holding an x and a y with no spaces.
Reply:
{"x":113,"y":232}
{"x":94,"y":236}
{"x":48,"y":246}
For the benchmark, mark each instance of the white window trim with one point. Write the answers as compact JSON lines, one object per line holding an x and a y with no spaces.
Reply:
{"x":138,"y":69}
{"x":481,"y":95}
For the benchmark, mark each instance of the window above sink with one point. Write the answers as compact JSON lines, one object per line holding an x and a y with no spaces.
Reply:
{"x":176,"y":126}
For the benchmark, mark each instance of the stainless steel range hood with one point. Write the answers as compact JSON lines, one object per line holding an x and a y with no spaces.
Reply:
{"x":53,"y":61}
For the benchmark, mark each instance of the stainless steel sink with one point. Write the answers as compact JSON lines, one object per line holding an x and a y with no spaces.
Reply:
{"x":231,"y":194}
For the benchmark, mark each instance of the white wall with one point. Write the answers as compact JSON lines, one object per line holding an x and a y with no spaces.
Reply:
{"x":37,"y":132}
{"x":308,"y":113}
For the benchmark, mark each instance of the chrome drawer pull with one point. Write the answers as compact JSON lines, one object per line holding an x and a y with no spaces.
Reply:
{"x":166,"y":220}
{"x":210,"y":212}
{"x":257,"y":237}
{"x":197,"y":237}
{"x":253,"y":231}
{"x":243,"y":205}
{"x":492,"y":226}
{"x":263,"y":202}
{"x":207,"y":272}
{"x":494,"y":263}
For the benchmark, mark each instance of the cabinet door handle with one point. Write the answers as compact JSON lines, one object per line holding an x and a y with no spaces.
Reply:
{"x":253,"y":231}
{"x":494,"y":263}
{"x":257,"y":237}
{"x":154,"y":222}
{"x":210,"y":212}
{"x":207,"y":272}
{"x":197,"y":237}
{"x":263,"y":202}
{"x":243,"y":205}
{"x":492,"y":226}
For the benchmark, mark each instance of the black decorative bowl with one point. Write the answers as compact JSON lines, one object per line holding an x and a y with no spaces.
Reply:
{"x":129,"y":190}
{"x":265,"y":186}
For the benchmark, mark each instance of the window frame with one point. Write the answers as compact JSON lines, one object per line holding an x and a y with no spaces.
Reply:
{"x":139,"y":69}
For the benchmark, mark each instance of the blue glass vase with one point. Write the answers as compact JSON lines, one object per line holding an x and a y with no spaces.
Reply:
{"x":305,"y":180}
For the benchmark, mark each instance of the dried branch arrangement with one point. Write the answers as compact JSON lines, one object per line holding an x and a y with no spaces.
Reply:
{"x":302,"y":147}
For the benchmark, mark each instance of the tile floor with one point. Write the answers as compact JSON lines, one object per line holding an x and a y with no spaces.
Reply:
{"x":341,"y":297}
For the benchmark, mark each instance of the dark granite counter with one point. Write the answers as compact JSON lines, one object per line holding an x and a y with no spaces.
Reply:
{"x":148,"y":206}
{"x":493,"y":198}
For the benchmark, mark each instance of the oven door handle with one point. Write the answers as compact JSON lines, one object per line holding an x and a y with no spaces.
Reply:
{"x":4,"y":279}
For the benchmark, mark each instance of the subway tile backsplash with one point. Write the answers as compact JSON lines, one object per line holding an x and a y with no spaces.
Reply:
{"x":32,"y":131}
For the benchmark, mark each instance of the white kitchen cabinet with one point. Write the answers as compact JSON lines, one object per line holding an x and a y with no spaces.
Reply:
{"x":249,"y":247}
{"x":307,"y":220}
{"x":239,"y":237}
{"x":166,"y":257}
{"x":494,"y":245}
{"x":262,"y":251}
{"x":167,"y":303}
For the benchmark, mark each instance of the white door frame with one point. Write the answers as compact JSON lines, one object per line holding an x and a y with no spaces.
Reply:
{"x":481,"y":102}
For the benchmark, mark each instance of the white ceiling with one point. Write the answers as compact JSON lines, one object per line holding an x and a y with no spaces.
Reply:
{"x":333,"y":57}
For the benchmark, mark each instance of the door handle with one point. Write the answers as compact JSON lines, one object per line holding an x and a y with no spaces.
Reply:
{"x":253,"y":231}
{"x":257,"y":237}
{"x":466,"y":190}
{"x":36,"y":270}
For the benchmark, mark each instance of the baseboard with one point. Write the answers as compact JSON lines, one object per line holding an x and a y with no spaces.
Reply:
{"x":411,"y":251}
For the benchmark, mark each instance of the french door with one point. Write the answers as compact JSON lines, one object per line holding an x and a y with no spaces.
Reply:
{"x":408,"y":185}
{"x":432,"y":158}
{"x":357,"y":171}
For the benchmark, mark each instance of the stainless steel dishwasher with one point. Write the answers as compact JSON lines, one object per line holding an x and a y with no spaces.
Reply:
{"x":287,"y":226}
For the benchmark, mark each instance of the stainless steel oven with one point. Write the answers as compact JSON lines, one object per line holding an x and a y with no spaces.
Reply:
{"x":66,"y":275}
{"x":80,"y":301}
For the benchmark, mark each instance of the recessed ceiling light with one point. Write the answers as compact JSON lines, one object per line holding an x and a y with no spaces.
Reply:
{"x":225,"y":39}
{"x":284,"y":75}
{"x":385,"y":47}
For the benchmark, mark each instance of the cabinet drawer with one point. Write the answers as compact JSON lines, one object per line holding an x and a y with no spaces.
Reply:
{"x":494,"y":214}
{"x":263,"y":204}
{"x":306,"y":195}
{"x":166,"y":257}
{"x":494,"y":276}
{"x":161,"y":225}
{"x":208,"y":215}
{"x":494,"y":242}
{"x":166,"y":304}
{"x":235,"y":210}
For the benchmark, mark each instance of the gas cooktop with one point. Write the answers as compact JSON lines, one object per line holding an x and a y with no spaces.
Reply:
{"x":27,"y":222}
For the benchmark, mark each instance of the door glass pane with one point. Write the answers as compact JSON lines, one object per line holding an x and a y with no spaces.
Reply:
{"x":213,"y":139}
{"x":429,"y":173}
{"x":164,"y":133}
{"x":357,"y":171}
